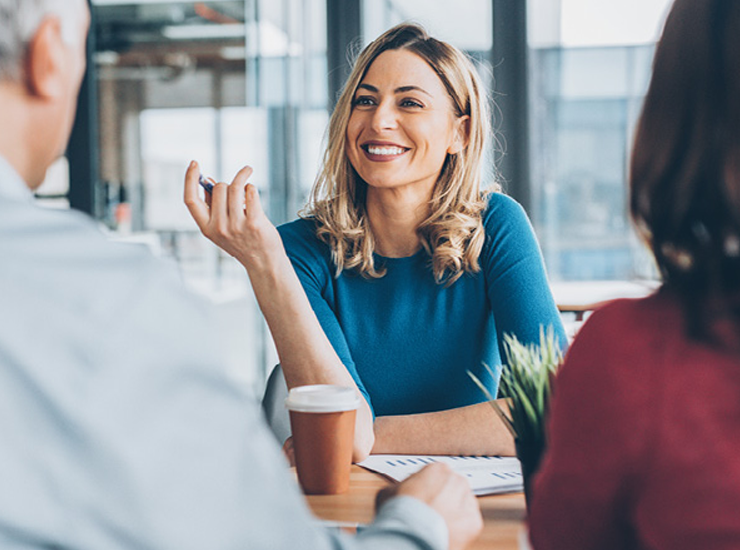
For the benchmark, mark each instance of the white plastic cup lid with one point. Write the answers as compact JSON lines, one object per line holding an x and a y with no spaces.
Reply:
{"x":322,"y":398}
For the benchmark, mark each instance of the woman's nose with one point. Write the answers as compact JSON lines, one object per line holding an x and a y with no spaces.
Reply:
{"x":384,"y":116}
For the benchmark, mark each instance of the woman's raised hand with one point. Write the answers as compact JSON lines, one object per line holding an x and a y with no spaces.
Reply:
{"x":232,"y":217}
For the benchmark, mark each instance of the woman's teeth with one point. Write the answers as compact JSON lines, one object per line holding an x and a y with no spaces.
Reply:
{"x":374,"y":150}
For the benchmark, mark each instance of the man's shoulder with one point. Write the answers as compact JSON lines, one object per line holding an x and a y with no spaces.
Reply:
{"x":25,"y":222}
{"x":99,"y":297}
{"x":68,"y":249}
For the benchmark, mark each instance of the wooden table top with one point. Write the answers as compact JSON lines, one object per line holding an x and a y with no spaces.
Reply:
{"x":503,"y":515}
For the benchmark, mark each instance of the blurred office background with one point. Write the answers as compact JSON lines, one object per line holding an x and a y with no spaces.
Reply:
{"x":234,"y":82}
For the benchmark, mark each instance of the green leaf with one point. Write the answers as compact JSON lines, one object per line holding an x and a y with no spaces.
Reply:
{"x":526,"y":380}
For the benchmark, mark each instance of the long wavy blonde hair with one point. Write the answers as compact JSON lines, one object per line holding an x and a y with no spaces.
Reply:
{"x":453,"y":233}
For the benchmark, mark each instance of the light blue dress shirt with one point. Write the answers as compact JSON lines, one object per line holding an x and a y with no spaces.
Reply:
{"x":119,"y":427}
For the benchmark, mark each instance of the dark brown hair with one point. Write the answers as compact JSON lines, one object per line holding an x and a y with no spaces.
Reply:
{"x":685,"y":171}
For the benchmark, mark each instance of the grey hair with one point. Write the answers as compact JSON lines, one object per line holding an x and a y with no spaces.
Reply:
{"x":19,"y":21}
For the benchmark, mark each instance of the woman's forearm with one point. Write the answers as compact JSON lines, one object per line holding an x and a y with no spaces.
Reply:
{"x":306,"y":354}
{"x":472,"y":430}
{"x":232,"y":217}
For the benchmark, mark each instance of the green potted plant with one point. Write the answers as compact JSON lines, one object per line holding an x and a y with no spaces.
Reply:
{"x":526,"y":382}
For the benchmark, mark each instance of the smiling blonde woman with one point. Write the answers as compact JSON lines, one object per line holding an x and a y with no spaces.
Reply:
{"x":401,"y":275}
{"x":452,"y":232}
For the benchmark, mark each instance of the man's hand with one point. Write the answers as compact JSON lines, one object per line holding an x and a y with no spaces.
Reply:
{"x":448,"y":494}
{"x":289,"y":451}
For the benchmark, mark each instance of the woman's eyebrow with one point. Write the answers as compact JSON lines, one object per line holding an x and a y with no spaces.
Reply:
{"x":404,"y":89}
{"x":368,"y":87}
{"x":399,"y":90}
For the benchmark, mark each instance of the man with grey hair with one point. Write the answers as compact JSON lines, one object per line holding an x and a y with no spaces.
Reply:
{"x":19,"y":20}
{"x":119,"y":427}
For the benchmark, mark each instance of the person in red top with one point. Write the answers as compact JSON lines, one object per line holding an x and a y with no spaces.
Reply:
{"x":644,"y":430}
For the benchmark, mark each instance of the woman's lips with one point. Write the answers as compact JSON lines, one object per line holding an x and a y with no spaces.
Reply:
{"x":382,"y":153}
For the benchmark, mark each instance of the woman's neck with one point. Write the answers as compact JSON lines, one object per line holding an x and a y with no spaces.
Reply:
{"x":395,"y":215}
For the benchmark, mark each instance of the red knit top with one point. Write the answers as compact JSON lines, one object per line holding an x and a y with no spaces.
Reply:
{"x":644,"y":438}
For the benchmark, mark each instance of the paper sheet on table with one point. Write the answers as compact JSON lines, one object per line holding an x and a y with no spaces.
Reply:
{"x":487,"y":475}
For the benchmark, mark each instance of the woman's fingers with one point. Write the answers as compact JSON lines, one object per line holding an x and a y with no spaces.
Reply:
{"x":196,"y":206}
{"x":236,"y":193}
{"x":232,"y":216}
{"x":252,"y":204}
{"x":224,"y":204}
{"x":220,"y":208}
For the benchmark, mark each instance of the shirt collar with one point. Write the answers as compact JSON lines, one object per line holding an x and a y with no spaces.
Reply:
{"x":12,"y":185}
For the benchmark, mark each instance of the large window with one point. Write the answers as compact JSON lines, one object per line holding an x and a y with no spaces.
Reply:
{"x":589,"y":69}
{"x":228,"y":83}
{"x":465,"y":23}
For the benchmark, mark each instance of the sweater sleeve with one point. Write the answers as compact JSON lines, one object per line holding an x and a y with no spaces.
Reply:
{"x":516,"y":281}
{"x":311,"y":260}
{"x":596,"y":438}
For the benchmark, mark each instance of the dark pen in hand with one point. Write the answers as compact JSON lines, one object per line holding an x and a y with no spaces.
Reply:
{"x":205,"y":184}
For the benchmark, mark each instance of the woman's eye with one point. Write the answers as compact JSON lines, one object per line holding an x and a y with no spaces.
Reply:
{"x":411,"y":103}
{"x":363,"y":101}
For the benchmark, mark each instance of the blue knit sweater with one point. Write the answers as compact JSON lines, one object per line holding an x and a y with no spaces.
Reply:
{"x":408,"y":341}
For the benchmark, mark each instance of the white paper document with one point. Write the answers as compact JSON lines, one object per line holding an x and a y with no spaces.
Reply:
{"x":487,"y":475}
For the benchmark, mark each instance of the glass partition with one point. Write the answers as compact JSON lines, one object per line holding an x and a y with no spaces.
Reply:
{"x":228,"y":83}
{"x":589,"y":69}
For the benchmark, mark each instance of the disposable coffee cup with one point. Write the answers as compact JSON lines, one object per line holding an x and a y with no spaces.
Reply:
{"x":322,"y":419}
